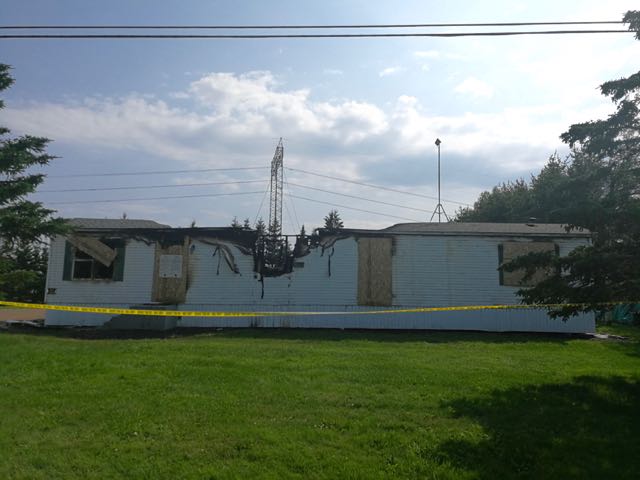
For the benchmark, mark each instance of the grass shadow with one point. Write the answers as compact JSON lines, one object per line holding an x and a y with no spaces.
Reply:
{"x":589,"y":428}
{"x":396,"y":336}
{"x":299,"y":334}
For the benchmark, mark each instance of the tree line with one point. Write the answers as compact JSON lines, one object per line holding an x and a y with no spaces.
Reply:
{"x":332,"y":222}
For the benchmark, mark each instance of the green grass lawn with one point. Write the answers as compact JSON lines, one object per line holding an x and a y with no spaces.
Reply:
{"x":319,"y":404}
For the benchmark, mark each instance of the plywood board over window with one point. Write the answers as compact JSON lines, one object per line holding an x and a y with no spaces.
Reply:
{"x":95,"y":249}
{"x":511,"y":250}
{"x":170,"y":273}
{"x":375,"y":271}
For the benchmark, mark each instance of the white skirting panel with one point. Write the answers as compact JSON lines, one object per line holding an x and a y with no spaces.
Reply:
{"x":513,"y":320}
{"x":55,"y":318}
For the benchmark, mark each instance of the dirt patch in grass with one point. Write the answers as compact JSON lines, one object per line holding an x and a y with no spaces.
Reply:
{"x":21,"y":314}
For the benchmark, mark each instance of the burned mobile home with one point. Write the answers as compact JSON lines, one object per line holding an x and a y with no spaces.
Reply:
{"x":143,"y":264}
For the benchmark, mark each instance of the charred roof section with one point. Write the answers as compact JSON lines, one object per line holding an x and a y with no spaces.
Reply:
{"x":112,"y":223}
{"x":164,"y":234}
{"x":467,"y":229}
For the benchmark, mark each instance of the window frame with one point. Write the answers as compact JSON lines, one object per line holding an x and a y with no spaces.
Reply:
{"x":532,"y":281}
{"x":73,"y":256}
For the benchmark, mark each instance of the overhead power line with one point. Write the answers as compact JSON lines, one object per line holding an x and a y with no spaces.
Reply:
{"x":293,"y":205}
{"x":299,"y":27}
{"x":156,"y":172}
{"x":145,"y":187}
{"x":266,"y":190}
{"x":226,"y":194}
{"x":355,"y":182}
{"x":353,"y":208}
{"x":286,"y":208}
{"x":118,"y":200}
{"x":142,"y":187}
{"x":360,"y":198}
{"x":330,"y":177}
{"x":301,"y":35}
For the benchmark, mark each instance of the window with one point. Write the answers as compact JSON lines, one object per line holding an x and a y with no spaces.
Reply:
{"x":79,"y":265}
{"x":509,"y":251}
{"x":86,"y":267}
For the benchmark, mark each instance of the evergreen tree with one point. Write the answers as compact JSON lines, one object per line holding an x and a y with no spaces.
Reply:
{"x":518,"y":201}
{"x":274,"y":248}
{"x":235,"y":223}
{"x":333,"y":222}
{"x":246,"y":224}
{"x":24,"y":225}
{"x":23,"y":272}
{"x":261,"y":227}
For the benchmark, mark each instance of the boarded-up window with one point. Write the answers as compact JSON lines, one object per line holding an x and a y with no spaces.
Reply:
{"x":170,"y":273}
{"x":510,"y":251}
{"x":375,"y":271}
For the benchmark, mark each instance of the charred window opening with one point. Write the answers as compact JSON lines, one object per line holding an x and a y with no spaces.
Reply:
{"x":276,"y":255}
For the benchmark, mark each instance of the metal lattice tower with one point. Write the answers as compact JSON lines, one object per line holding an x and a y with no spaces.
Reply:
{"x":276,"y":189}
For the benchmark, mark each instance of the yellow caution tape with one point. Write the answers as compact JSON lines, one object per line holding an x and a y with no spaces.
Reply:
{"x":196,"y":313}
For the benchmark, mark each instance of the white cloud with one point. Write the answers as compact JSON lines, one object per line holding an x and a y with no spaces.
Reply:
{"x":475,"y":88}
{"x":179,"y":95}
{"x":231,"y":109}
{"x":332,"y":71}
{"x":237,"y":117}
{"x":235,"y":120}
{"x":389,"y":71}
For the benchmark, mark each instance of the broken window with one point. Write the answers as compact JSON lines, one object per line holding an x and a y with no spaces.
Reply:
{"x":81,"y":265}
{"x":87,"y":267}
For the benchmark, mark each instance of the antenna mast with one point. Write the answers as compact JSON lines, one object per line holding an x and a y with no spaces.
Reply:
{"x":276,"y":191}
{"x":439,"y":208}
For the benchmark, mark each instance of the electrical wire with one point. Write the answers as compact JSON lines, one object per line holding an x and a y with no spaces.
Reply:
{"x":286,"y":209}
{"x":361,"y":198}
{"x":144,"y":187}
{"x":305,"y":35}
{"x":293,"y":205}
{"x":355,"y":182}
{"x":152,"y":198}
{"x":286,"y":27}
{"x":157,"y":172}
{"x":353,"y":208}
{"x":255,"y":220}
{"x":289,"y":184}
{"x":307,"y":172}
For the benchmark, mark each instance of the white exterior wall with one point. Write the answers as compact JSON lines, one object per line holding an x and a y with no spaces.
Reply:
{"x":428,"y":271}
{"x":442,"y":271}
{"x":308,"y":285}
{"x":135,"y":288}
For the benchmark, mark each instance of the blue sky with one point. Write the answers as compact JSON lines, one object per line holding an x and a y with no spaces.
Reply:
{"x":364,"y":109}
